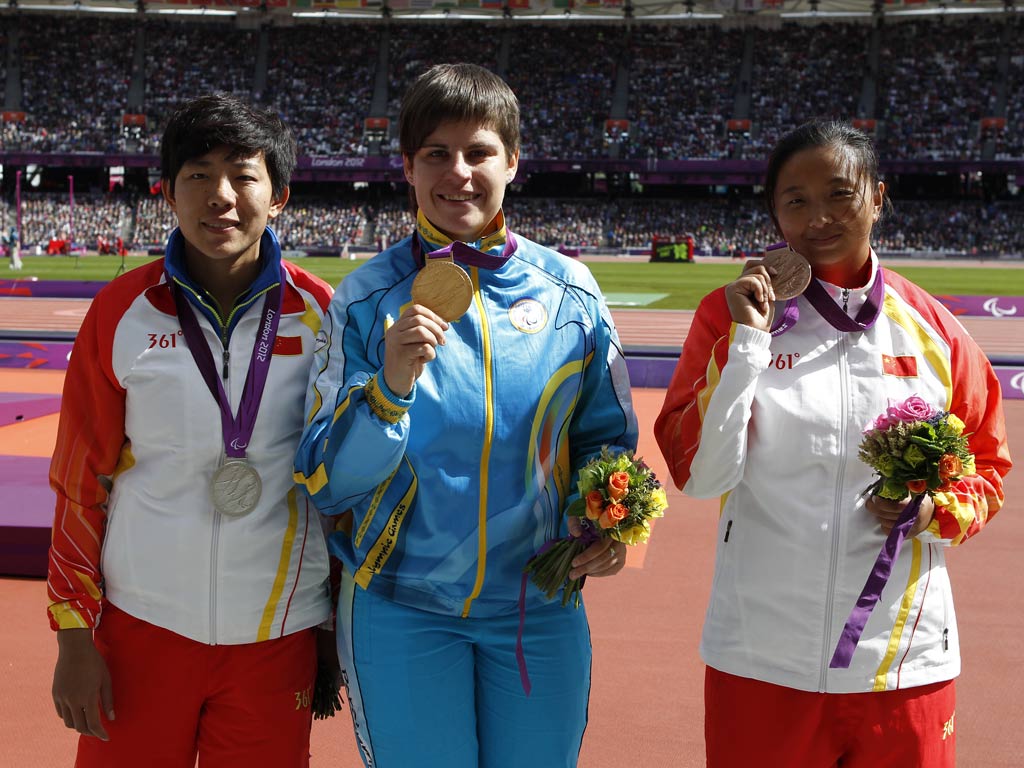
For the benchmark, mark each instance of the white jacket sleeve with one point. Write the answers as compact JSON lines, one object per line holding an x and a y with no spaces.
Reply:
{"x":718,"y":463}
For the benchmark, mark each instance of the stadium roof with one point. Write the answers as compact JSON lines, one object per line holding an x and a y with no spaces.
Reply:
{"x":696,"y":11}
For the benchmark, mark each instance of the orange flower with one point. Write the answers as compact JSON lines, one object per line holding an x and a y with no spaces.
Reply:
{"x":618,"y":485}
{"x":595,"y":505}
{"x":917,"y":486}
{"x":613,"y":515}
{"x":950,"y":466}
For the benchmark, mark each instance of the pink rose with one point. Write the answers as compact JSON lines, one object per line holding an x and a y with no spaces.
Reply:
{"x":882,"y":423}
{"x":911,"y":409}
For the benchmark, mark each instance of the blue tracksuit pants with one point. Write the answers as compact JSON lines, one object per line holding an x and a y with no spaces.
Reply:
{"x":433,"y":691}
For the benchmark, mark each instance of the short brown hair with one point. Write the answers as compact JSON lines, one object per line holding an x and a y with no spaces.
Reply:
{"x":461,"y":93}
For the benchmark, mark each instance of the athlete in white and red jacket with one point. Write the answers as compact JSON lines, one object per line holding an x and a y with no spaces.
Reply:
{"x":771,"y":424}
{"x":184,"y":611}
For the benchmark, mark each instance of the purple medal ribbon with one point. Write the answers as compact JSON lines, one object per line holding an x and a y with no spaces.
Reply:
{"x":876,"y":582}
{"x":237,"y":430}
{"x":467,"y":254}
{"x":818,"y":298}
{"x":588,"y":537}
{"x":524,"y":676}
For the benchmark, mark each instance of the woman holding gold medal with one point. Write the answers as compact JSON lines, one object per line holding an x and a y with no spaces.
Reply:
{"x":465,"y":375}
{"x":188,"y":572}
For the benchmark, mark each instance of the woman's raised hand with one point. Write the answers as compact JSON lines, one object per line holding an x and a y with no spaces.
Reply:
{"x":751,"y":298}
{"x":409,"y":344}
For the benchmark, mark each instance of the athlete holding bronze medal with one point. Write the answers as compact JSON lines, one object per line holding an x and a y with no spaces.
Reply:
{"x":178,"y":519}
{"x":781,"y":371}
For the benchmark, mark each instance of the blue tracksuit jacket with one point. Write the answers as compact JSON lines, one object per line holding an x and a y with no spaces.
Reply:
{"x":446,"y":494}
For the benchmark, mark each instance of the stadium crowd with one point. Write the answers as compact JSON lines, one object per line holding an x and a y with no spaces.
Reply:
{"x":937,"y":84}
{"x":304,"y":66}
{"x":718,"y":225}
{"x":691,"y":83}
{"x":682,"y":86}
{"x":933,"y":89}
{"x":75,"y":76}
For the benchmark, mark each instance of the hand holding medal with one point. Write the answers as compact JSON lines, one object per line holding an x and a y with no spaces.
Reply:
{"x":441,"y":294}
{"x":781,"y":275}
{"x":409,"y":344}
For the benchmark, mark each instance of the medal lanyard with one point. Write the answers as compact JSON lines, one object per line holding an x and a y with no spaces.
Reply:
{"x":464,"y":253}
{"x":237,"y":430}
{"x":818,"y":298}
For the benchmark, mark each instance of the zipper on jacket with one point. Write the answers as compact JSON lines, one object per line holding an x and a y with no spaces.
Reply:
{"x":225,"y":342}
{"x":846,"y":300}
{"x":728,"y":528}
{"x":945,"y":639}
{"x":837,"y":510}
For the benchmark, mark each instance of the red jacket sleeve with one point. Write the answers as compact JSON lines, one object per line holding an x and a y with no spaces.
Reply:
{"x":977,"y":399}
{"x":90,"y":439}
{"x":704,"y":353}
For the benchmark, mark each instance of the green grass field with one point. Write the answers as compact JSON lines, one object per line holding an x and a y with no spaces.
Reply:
{"x":682,"y":285}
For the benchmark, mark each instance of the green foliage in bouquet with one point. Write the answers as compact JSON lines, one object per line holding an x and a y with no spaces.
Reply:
{"x":915,"y":449}
{"x":618,"y":496}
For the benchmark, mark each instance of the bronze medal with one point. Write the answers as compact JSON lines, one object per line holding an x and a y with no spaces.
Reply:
{"x":793,"y":273}
{"x":442,"y":286}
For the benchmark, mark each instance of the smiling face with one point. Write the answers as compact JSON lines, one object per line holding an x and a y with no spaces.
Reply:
{"x":826,"y":208}
{"x":223,"y":204}
{"x":459,"y":175}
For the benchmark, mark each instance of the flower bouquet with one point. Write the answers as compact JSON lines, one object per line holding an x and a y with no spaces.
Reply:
{"x":619,"y":495}
{"x":917,"y":451}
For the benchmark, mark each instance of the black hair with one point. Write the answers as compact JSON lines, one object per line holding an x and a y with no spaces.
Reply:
{"x":223,"y":120}
{"x":458,"y":93}
{"x":823,"y":133}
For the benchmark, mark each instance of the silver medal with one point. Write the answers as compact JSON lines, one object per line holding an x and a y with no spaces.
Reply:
{"x":235,"y":488}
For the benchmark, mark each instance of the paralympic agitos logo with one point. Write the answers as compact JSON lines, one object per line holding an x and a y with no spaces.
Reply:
{"x":1017,"y":382}
{"x":992,"y":307}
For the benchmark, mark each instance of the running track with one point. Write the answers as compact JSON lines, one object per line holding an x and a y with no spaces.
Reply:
{"x":646,"y":709}
{"x":637,"y":327}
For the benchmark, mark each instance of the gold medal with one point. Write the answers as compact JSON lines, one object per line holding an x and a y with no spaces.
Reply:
{"x":442,"y":286}
{"x":793,"y":273}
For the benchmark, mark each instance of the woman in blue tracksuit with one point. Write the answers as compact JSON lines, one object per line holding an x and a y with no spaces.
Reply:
{"x":449,"y":450}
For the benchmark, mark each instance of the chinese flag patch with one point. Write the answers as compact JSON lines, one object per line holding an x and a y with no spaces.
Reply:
{"x":899,"y":365}
{"x":292,"y":345}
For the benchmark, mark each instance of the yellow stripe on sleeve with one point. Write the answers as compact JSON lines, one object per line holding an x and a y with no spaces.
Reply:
{"x":66,"y":617}
{"x":383,"y":548}
{"x":378,"y":495}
